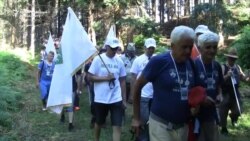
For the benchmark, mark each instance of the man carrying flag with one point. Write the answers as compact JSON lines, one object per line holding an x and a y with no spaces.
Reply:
{"x":75,"y":48}
{"x":108,"y":73}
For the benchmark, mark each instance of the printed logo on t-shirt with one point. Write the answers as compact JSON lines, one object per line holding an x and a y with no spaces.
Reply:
{"x":202,"y":75}
{"x":210,"y":80}
{"x":172,"y":73}
{"x":110,"y":66}
{"x":49,"y":70}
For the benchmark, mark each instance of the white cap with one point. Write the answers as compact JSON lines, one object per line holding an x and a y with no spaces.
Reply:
{"x":150,"y":42}
{"x":131,"y":47}
{"x":113,"y":42}
{"x":201,"y":29}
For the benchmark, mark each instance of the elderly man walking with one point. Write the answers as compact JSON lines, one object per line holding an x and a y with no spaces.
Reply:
{"x":210,"y":77}
{"x":172,"y":76}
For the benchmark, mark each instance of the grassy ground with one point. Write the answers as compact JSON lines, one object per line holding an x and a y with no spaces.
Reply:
{"x":30,"y":123}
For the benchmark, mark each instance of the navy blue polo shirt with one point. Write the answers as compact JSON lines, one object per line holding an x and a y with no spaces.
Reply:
{"x":167,"y":103}
{"x":210,"y":77}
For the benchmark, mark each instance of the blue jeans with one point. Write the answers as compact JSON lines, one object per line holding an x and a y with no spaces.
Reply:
{"x":145,"y":104}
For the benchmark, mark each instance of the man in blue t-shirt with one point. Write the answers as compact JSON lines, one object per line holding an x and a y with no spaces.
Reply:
{"x":172,"y":76}
{"x":210,"y":77}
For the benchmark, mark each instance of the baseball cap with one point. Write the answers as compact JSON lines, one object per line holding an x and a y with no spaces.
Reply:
{"x":201,"y":29}
{"x":150,"y":42}
{"x":131,"y":47}
{"x":113,"y":42}
{"x":196,"y":96}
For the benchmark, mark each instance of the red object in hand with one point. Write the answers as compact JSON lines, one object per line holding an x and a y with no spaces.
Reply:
{"x":196,"y":96}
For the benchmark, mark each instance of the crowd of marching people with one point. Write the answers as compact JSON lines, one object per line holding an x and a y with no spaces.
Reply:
{"x":183,"y":94}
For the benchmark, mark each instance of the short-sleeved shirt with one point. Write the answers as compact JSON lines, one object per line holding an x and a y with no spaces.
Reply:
{"x":168,"y":102}
{"x":137,"y":68}
{"x":210,"y":77}
{"x":128,"y":64}
{"x":103,"y":92}
{"x":46,"y":70}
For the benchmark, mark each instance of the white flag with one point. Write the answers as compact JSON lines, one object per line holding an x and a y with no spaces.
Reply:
{"x":111,"y":33}
{"x":75,"y":48}
{"x":50,"y":47}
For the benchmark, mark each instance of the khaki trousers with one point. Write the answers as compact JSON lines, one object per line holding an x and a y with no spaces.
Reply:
{"x":159,"y":132}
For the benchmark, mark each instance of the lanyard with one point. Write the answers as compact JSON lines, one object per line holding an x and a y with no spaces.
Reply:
{"x":178,"y":76}
{"x":203,"y":66}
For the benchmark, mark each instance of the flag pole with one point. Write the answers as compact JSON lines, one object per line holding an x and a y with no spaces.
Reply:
{"x":103,"y":63}
{"x":236,"y":97}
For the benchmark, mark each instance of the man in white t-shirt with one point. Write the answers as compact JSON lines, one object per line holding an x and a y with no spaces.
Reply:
{"x":147,"y":91}
{"x":108,"y":73}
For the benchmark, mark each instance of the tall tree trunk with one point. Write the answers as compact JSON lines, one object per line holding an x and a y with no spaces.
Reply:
{"x":153,"y":9}
{"x":168,"y":8}
{"x":91,"y":30}
{"x":187,"y":7}
{"x":162,"y":11}
{"x":32,"y":41}
{"x":25,"y":26}
{"x":196,"y":2}
{"x":58,"y":19}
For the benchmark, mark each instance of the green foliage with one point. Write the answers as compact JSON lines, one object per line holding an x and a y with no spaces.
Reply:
{"x":13,"y":72}
{"x":220,"y":55}
{"x":242,"y":44}
{"x":242,"y":3}
{"x":139,"y":42}
{"x":141,"y":25}
{"x":212,"y":15}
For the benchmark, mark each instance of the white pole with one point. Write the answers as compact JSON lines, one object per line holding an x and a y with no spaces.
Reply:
{"x":235,"y":94}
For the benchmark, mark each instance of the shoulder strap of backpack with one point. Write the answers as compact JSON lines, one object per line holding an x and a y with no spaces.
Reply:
{"x":42,"y":68}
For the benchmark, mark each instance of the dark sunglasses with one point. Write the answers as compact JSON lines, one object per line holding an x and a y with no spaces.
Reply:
{"x":114,"y":49}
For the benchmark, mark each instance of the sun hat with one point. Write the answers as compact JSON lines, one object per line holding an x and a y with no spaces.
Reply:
{"x":150,"y":42}
{"x":196,"y":96}
{"x":232,"y":53}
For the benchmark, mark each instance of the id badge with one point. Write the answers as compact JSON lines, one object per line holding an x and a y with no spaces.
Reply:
{"x":184,"y":93}
{"x":48,"y":73}
{"x":210,"y":83}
